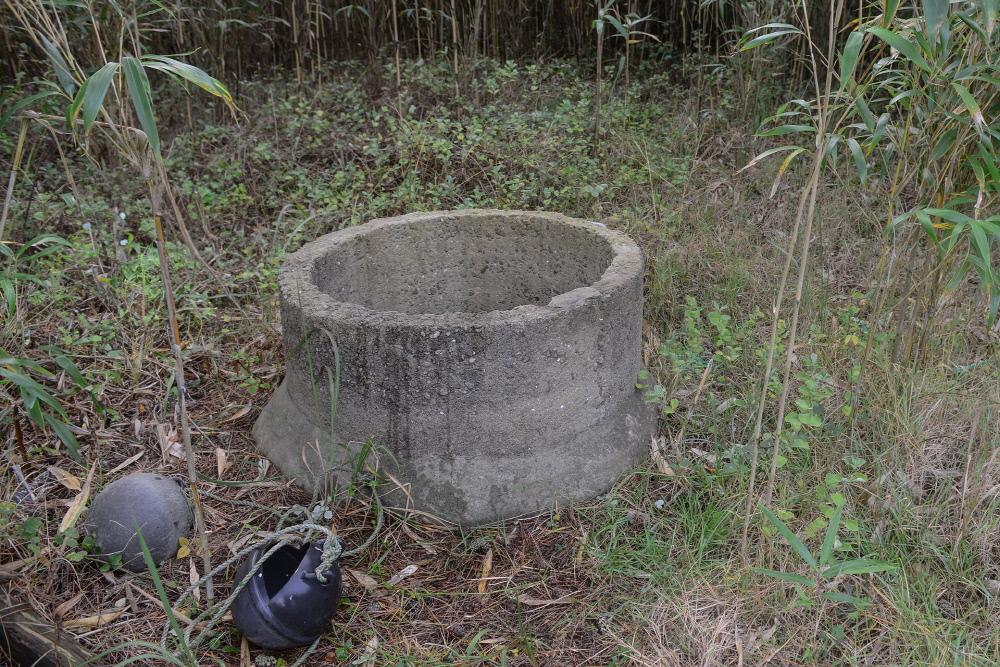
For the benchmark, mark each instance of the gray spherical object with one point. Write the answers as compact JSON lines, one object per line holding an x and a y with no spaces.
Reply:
{"x":152,"y":501}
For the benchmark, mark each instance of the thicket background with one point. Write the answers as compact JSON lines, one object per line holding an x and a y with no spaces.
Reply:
{"x":835,"y":158}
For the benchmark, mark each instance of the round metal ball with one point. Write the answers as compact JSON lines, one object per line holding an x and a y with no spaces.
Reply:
{"x":152,"y":502}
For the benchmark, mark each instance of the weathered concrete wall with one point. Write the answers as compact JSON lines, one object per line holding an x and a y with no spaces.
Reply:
{"x":492,"y":354}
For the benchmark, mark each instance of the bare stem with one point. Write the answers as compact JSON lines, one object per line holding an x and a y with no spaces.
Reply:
{"x":13,"y":175}
{"x":175,"y":344}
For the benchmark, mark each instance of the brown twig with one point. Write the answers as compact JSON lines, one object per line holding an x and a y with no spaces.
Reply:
{"x":18,"y":152}
{"x":175,"y":344}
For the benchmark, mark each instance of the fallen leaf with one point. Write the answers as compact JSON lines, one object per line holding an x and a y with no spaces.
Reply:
{"x":242,"y":411}
{"x":64,"y":478}
{"x":413,"y":536}
{"x":137,"y":426}
{"x":170,"y":445}
{"x":181,"y":616}
{"x":80,"y":502}
{"x":635,"y":517}
{"x":184,"y":549}
{"x":193,"y":576}
{"x":402,"y":574}
{"x":62,"y":609}
{"x":702,"y":454}
{"x":93,"y":621}
{"x":837,"y":384}
{"x":487,"y":566}
{"x":126,"y":463}
{"x":221,"y":462}
{"x":371,"y":646}
{"x":367,"y":582}
{"x":657,"y":447}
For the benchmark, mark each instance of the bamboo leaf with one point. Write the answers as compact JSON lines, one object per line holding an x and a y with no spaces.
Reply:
{"x":7,"y":287}
{"x":980,"y":242}
{"x":844,"y":597}
{"x":54,"y":243}
{"x":990,"y":161}
{"x":770,"y":37}
{"x":826,"y":551}
{"x":905,"y":47}
{"x":988,"y":226}
{"x":880,"y":125}
{"x":74,"y":372}
{"x":617,"y":24}
{"x":971,"y":105}
{"x":990,"y":9}
{"x":973,"y":26}
{"x":786,"y":129}
{"x":193,"y":74}
{"x":994,"y":308}
{"x":23,"y":103}
{"x":905,"y":94}
{"x":31,"y":388}
{"x":944,"y":144}
{"x":849,"y":58}
{"x":164,"y":600}
{"x":865,"y":113}
{"x":889,"y":14}
{"x":925,"y":222}
{"x":772,"y":25}
{"x":948,"y":214}
{"x":138,"y":87}
{"x":957,"y":277}
{"x":97,"y":88}
{"x":790,"y":536}
{"x":956,"y":234}
{"x":768,"y":152}
{"x":785,"y":576}
{"x":935,"y":15}
{"x":73,"y":110}
{"x":65,"y":435}
{"x":859,"y":159}
{"x":863,"y":566}
{"x":59,"y":64}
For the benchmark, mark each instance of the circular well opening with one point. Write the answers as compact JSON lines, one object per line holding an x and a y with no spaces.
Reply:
{"x":462,"y":265}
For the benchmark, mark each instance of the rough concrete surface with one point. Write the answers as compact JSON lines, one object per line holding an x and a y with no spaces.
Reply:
{"x":155,"y":502}
{"x":491,"y":356}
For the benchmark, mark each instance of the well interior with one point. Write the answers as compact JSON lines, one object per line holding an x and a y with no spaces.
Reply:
{"x":467,"y":265}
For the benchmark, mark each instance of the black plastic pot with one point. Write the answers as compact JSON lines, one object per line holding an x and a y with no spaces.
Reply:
{"x":285,"y":605}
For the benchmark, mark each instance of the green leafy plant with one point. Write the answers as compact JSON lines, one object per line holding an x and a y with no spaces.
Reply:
{"x":13,"y":276}
{"x":916,"y":114}
{"x":37,"y":400}
{"x":626,"y":27}
{"x":827,"y":569}
{"x":602,"y":7}
{"x":28,"y":532}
